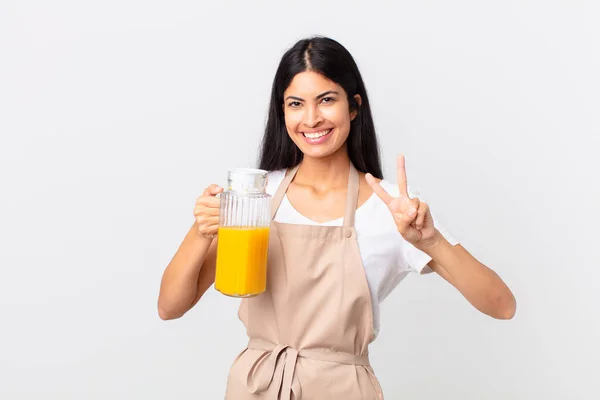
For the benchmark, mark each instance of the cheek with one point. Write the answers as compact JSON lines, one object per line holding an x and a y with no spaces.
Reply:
{"x":340,"y":118}
{"x":292,"y":120}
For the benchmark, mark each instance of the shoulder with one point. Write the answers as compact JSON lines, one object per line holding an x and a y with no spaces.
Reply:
{"x":274,"y":178}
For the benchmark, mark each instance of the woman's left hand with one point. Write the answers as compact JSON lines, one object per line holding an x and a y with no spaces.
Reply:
{"x":412,"y":216}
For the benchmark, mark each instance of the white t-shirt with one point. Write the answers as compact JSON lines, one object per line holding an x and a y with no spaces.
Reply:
{"x":387,"y":257}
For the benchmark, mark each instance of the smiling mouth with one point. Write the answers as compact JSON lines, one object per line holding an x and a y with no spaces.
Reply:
{"x":316,"y":135}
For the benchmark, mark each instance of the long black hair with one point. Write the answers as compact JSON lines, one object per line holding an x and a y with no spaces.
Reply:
{"x":330,"y":59}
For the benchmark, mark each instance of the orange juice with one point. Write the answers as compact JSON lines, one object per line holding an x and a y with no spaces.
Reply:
{"x":242,"y":261}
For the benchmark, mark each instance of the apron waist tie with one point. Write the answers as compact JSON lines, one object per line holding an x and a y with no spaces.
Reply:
{"x":260,"y":376}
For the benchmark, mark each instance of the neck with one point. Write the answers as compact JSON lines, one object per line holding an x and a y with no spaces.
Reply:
{"x":324,"y":173}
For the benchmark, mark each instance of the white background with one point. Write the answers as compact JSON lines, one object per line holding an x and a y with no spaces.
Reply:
{"x":115,"y":115}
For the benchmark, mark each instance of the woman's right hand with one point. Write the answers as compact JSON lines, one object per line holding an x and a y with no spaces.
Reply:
{"x":206,"y":212}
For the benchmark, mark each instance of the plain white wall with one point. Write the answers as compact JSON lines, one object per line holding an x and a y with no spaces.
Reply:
{"x":115,"y":115}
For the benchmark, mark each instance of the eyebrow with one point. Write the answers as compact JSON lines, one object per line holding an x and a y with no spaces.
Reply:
{"x":318,"y":97}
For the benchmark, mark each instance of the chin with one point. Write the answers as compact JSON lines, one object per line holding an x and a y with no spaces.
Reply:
{"x":317,"y":153}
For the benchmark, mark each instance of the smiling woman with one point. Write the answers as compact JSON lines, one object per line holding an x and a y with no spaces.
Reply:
{"x":318,"y":87}
{"x":341,"y":239}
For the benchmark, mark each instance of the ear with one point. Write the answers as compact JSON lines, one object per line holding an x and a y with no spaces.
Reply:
{"x":354,"y":110}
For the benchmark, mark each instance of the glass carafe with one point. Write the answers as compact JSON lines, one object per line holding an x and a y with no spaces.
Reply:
{"x":243,"y":235}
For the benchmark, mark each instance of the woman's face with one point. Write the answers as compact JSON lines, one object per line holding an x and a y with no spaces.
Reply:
{"x":317,"y":114}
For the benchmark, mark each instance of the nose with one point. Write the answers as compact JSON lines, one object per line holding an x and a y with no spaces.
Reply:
{"x":312,"y":116}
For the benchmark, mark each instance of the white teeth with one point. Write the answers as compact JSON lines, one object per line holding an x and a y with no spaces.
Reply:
{"x":316,"y":135}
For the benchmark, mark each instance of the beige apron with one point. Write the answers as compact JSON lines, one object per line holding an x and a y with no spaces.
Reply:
{"x":310,"y":331}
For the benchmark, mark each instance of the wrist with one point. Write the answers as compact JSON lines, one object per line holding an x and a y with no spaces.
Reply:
{"x":203,"y":239}
{"x":431,"y":245}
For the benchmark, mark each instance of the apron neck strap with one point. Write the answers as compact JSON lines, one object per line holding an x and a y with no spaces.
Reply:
{"x":351,"y":197}
{"x":351,"y":194}
{"x":283,"y":186}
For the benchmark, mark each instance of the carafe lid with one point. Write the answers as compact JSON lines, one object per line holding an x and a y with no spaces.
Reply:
{"x":247,"y":180}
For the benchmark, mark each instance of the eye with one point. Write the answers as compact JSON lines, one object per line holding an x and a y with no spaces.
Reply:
{"x":294,"y":104}
{"x":327,"y":100}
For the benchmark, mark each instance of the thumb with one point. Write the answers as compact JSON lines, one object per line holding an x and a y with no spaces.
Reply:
{"x":213,"y":190}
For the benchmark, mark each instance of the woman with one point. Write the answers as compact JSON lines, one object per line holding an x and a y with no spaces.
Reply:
{"x":341,"y":239}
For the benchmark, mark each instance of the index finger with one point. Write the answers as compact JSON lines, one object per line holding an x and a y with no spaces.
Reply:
{"x":379,"y":191}
{"x":401,"y":175}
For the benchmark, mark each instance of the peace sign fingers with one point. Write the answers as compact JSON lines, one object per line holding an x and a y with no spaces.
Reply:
{"x":412,"y":216}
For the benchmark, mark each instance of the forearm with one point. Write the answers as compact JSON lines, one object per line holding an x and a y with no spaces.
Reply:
{"x":179,"y":283}
{"x":480,"y":285}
